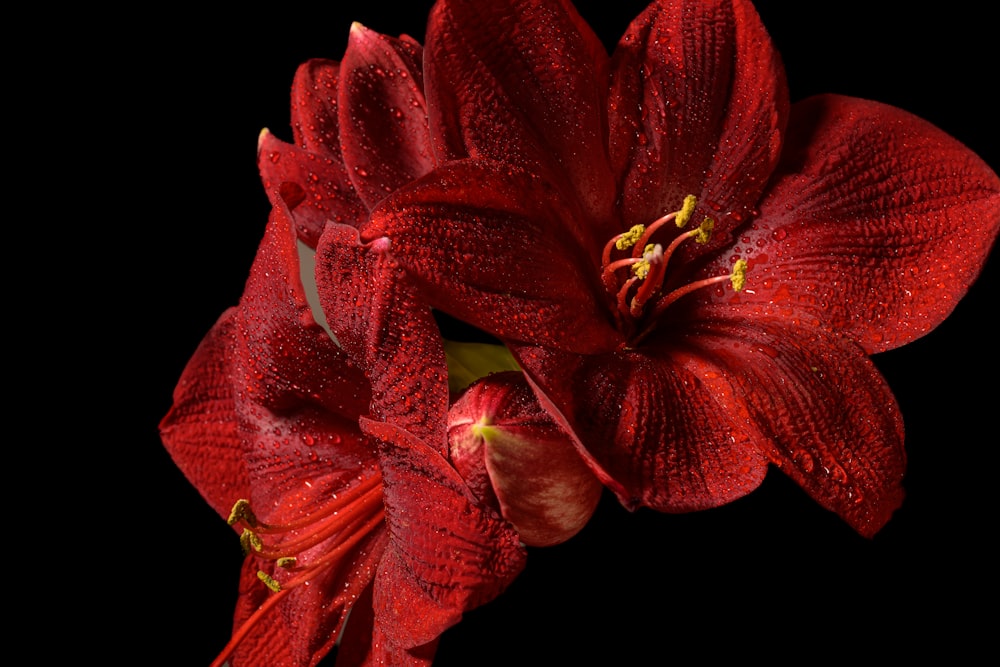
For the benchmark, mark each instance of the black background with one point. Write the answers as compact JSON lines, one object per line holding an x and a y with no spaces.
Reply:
{"x":770,"y":577}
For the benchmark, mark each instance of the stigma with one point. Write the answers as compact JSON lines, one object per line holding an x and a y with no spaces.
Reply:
{"x":634,"y":268}
{"x":292,"y":552}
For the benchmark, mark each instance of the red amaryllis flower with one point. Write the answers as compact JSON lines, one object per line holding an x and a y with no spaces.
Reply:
{"x":342,"y":491}
{"x":361,"y":131}
{"x":691,"y":271}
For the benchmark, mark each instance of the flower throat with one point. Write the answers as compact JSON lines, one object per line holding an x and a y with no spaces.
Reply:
{"x":635,"y":280}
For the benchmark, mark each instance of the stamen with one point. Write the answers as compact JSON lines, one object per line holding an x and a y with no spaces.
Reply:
{"x":628,"y":239}
{"x":269,"y":581}
{"x":622,"y":241}
{"x":739,"y":277}
{"x":641,"y":268}
{"x":250,"y":541}
{"x":647,"y":263}
{"x":339,"y":526}
{"x":680,"y":218}
{"x":687,"y":210}
{"x":704,"y":231}
{"x":608,"y":275}
{"x":241,"y":512}
{"x":652,"y":278}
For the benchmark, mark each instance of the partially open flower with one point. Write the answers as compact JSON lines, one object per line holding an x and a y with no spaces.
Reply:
{"x":516,"y":458}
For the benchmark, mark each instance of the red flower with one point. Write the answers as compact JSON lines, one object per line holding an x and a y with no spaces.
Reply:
{"x":686,"y":362}
{"x":332,"y":462}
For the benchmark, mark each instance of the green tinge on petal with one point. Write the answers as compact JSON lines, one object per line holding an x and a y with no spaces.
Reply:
{"x":467,"y":362}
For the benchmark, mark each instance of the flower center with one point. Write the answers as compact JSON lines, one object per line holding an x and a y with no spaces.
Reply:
{"x":634,"y":268}
{"x":341,"y":522}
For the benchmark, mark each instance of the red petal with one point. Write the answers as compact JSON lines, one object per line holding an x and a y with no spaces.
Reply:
{"x":487,"y":243}
{"x":315,"y":119}
{"x":523,"y":81}
{"x":824,"y":413}
{"x":314,"y":188}
{"x":876,"y":226}
{"x":321,"y":188}
{"x":447,"y":554}
{"x":268,"y":412}
{"x":383,"y":120}
{"x":698,"y":106}
{"x":289,"y":360}
{"x":364,"y":643}
{"x":268,"y":399}
{"x":387,"y":327}
{"x":201,"y":431}
{"x":655,"y":434}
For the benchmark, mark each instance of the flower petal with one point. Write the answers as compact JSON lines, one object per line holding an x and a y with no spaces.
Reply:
{"x":311,"y":176}
{"x":486,"y":242}
{"x":201,"y":431}
{"x":523,"y":81}
{"x":823,"y":413}
{"x":447,"y":555}
{"x":650,"y":428}
{"x":386,"y":326}
{"x":383,"y":120}
{"x":271,"y":403}
{"x":266,"y":370}
{"x":876,"y":226}
{"x":698,"y":106}
{"x":365,"y":643}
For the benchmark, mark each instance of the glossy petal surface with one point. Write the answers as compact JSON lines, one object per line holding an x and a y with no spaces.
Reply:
{"x":875,"y":225}
{"x":384,"y":135}
{"x":508,"y":66}
{"x":698,"y":106}
{"x":495,"y":235}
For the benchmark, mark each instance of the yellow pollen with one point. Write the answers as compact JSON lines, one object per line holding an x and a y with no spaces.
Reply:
{"x":241,"y":512}
{"x":287,"y":562}
{"x":641,"y":269}
{"x":739,"y":276}
{"x":687,"y":210}
{"x":704,"y":231}
{"x":250,"y":541}
{"x":629,"y":238}
{"x":269,"y":581}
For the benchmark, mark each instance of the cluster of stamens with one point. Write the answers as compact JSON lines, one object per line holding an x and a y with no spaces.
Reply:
{"x":339,"y":525}
{"x":646,"y":264}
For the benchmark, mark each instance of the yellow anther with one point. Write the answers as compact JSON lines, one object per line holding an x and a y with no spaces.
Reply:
{"x":704,"y":231}
{"x":629,"y":238}
{"x":269,"y":581}
{"x":241,"y":512}
{"x":739,"y":276}
{"x":287,"y":562}
{"x":641,"y":269}
{"x":250,"y":541}
{"x":687,"y":210}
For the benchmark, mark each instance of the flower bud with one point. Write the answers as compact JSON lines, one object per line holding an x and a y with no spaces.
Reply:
{"x":517,"y":459}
